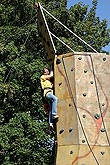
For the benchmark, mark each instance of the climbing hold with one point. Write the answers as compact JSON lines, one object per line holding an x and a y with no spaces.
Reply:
{"x":84,"y":94}
{"x":71,"y":129}
{"x":61,"y":131}
{"x":72,"y":69}
{"x":103,"y":104}
{"x":85,"y":71}
{"x":103,"y":130}
{"x":84,"y":116}
{"x":69,"y":105}
{"x":71,"y":152}
{"x":79,"y":58}
{"x":97,"y":116}
{"x":60,"y":84}
{"x":83,"y":141}
{"x":102,"y":152}
{"x":58,"y":61}
{"x":104,"y":59}
{"x":91,"y":82}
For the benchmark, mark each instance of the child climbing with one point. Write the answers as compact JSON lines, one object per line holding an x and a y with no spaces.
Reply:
{"x":47,"y":87}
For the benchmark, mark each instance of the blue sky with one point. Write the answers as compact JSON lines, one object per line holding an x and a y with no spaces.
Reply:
{"x":103,"y":10}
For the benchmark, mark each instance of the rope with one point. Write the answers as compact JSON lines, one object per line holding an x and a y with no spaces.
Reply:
{"x":70,"y":30}
{"x":62,"y":42}
{"x":78,"y":113}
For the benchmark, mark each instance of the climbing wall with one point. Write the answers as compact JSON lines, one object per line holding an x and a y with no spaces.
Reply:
{"x":82,"y":84}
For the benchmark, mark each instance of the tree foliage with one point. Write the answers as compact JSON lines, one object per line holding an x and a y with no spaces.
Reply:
{"x":23,"y":122}
{"x":82,"y":22}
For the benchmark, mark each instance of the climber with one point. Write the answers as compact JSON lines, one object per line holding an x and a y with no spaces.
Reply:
{"x":47,"y":87}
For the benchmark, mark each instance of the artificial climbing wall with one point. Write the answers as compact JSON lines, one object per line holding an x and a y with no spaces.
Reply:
{"x":82,"y":84}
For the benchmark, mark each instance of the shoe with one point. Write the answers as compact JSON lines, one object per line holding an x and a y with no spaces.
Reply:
{"x":51,"y":125}
{"x":55,"y":117}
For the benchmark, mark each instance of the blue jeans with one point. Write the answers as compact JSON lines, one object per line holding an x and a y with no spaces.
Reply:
{"x":52,"y":99}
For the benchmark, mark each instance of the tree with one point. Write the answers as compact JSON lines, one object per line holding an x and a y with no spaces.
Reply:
{"x":82,"y":22}
{"x":23,"y":123}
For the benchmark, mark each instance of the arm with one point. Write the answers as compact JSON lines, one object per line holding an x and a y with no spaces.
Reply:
{"x":51,"y":73}
{"x":47,"y":77}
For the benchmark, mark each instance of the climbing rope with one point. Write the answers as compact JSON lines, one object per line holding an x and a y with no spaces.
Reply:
{"x":69,"y":30}
{"x":62,"y":42}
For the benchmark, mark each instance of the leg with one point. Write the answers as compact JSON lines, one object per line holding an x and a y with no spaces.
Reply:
{"x":54,"y":101}
{"x":50,"y":112}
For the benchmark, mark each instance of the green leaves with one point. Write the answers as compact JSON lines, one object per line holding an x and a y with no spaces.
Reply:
{"x":21,"y":138}
{"x":23,"y":124}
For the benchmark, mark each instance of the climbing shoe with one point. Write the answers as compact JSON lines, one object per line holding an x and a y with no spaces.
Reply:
{"x":55,"y":117}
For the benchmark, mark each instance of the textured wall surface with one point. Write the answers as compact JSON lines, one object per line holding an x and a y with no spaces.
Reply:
{"x":82,"y":84}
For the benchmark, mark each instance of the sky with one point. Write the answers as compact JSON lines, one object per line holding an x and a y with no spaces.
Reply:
{"x":103,"y":11}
